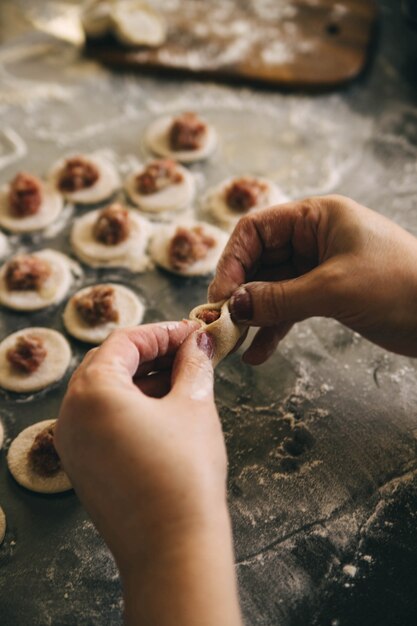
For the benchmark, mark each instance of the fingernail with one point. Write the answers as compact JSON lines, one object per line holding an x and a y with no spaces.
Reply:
{"x":240,"y":306}
{"x":205,"y":342}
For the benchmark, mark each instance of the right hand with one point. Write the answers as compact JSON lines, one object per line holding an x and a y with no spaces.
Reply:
{"x":325,"y":256}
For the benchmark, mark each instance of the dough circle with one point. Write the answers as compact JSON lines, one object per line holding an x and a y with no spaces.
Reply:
{"x":53,"y":291}
{"x":2,"y":525}
{"x":51,"y":206}
{"x":159,"y":248}
{"x":176,"y":197}
{"x":225,"y":332}
{"x":107,"y":183}
{"x":19,"y":466}
{"x":130,"y":308}
{"x":130,"y":253}
{"x":50,"y":370}
{"x":157,"y":140}
{"x":216,"y":205}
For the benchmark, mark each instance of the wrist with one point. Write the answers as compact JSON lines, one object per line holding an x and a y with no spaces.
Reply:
{"x":184,"y":575}
{"x":162,"y":535}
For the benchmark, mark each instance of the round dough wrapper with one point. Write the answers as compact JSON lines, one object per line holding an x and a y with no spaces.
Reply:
{"x":225,"y":332}
{"x":108,"y":181}
{"x":131,"y":311}
{"x":157,"y":140}
{"x":50,"y":370}
{"x":136,"y":24}
{"x":53,"y":291}
{"x":50,"y":209}
{"x":2,"y":525}
{"x":159,"y":249}
{"x":176,"y":197}
{"x":130,"y":253}
{"x":21,"y":470}
{"x":216,"y":204}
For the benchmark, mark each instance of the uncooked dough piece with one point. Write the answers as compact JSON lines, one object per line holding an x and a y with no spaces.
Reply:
{"x":127,"y":303}
{"x":136,"y":24}
{"x":2,"y":525}
{"x":52,"y":291}
{"x":51,"y":370}
{"x":215,"y":201}
{"x":107,"y":183}
{"x":157,"y":139}
{"x":22,"y":470}
{"x":133,"y":22}
{"x":174,"y":197}
{"x":225,"y":332}
{"x":96,"y":17}
{"x":130,"y":253}
{"x":160,"y":246}
{"x":4,"y":245}
{"x":49,"y":210}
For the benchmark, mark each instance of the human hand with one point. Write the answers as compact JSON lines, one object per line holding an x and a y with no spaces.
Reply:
{"x":152,"y":472}
{"x":325,"y":256}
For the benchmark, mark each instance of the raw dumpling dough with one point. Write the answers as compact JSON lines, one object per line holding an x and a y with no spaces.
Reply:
{"x":225,"y":332}
{"x":160,"y":248}
{"x":52,"y":292}
{"x":130,"y":253}
{"x":2,"y":525}
{"x":4,"y":245}
{"x":127,"y":304}
{"x":49,"y":210}
{"x":134,"y":23}
{"x":137,"y":24}
{"x":51,"y":370}
{"x":215,"y":201}
{"x":157,"y":140}
{"x":174,"y":197}
{"x":21,"y":469}
{"x":107,"y":183}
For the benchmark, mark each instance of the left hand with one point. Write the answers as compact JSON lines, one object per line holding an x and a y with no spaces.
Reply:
{"x":152,"y":471}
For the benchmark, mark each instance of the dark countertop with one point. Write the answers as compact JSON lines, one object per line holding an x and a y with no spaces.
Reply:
{"x":322,"y":440}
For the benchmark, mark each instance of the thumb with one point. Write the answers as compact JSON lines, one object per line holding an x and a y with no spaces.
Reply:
{"x":192,"y":374}
{"x":266,"y":303}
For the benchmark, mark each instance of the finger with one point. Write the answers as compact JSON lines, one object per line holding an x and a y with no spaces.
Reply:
{"x":155,"y":385}
{"x":192,"y":375}
{"x":269,"y":236}
{"x":125,"y":350}
{"x":159,"y":364}
{"x":84,"y":362}
{"x":285,"y":271}
{"x":265,"y":343}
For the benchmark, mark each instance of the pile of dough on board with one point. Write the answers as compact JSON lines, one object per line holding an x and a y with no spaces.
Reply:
{"x":132,"y":22}
{"x":34,"y":462}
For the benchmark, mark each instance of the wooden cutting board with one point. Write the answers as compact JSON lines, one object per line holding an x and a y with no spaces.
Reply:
{"x":308,"y":44}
